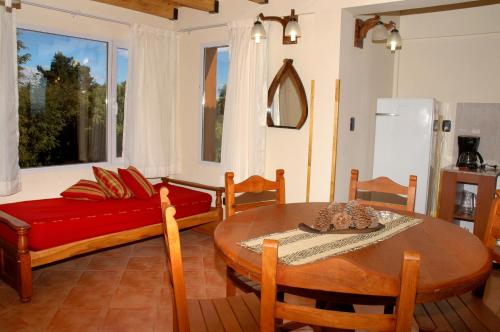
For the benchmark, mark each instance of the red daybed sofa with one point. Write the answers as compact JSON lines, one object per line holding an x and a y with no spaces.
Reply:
{"x":39,"y":232}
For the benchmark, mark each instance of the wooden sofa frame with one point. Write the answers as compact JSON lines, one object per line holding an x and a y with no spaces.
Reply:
{"x":17,"y":261}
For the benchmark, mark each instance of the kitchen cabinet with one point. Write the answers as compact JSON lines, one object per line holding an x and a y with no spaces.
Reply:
{"x":453,"y":178}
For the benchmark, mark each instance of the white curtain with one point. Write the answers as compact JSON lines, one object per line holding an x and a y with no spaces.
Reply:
{"x":9,"y":120}
{"x":244,"y":127}
{"x":150,"y":102}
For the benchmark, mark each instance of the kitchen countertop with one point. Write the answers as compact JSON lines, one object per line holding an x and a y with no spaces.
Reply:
{"x":482,"y":172}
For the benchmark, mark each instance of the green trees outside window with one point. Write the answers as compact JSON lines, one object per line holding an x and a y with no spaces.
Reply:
{"x":63,"y":97}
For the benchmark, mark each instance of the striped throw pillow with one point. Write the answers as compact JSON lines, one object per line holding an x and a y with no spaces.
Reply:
{"x":141,"y":187}
{"x":113,"y":185}
{"x":85,"y":190}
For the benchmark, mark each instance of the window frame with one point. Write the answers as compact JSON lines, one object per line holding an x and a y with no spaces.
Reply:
{"x":111,"y":108}
{"x":201,"y":87}
{"x":114,"y":101}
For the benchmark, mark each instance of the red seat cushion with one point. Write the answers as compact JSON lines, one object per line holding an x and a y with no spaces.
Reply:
{"x":59,"y":221}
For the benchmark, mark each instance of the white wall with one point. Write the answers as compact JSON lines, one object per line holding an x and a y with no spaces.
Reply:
{"x":365,"y":75}
{"x":453,"y":56}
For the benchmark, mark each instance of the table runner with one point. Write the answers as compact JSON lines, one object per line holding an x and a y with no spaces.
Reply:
{"x":297,"y":247}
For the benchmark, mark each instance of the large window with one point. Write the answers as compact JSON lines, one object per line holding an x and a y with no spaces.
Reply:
{"x":215,"y":71}
{"x":63,"y":100}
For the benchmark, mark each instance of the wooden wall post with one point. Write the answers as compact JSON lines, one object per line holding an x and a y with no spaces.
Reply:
{"x":311,"y":129}
{"x":335,"y":139}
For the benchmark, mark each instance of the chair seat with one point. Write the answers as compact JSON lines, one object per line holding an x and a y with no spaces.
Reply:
{"x":235,"y":313}
{"x":459,"y":313}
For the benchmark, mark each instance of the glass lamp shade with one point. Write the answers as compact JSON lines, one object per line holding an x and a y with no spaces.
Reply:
{"x":292,"y":30}
{"x":394,"y":41}
{"x":258,"y":32}
{"x":379,"y":33}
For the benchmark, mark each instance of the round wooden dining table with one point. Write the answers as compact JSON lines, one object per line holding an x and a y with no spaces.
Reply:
{"x":453,"y":261}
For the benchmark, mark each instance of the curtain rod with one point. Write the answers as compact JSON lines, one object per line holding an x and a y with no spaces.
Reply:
{"x":203,"y":27}
{"x":74,"y":13}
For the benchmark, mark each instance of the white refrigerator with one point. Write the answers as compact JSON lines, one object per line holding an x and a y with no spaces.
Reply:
{"x":405,"y":143}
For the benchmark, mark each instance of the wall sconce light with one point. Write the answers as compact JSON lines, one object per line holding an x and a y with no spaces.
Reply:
{"x":394,"y":41}
{"x":380,"y":33}
{"x":258,"y":32}
{"x":291,"y":28}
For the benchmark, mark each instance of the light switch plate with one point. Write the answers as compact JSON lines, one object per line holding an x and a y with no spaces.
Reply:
{"x":446,"y":126}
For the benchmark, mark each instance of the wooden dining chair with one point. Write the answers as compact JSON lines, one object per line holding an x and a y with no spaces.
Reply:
{"x":224,"y":314}
{"x":383,"y":186}
{"x":274,"y":275}
{"x":254,"y":192}
{"x":492,"y":233}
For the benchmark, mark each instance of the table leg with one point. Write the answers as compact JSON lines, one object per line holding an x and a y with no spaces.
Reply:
{"x":479,"y":292}
{"x":230,"y":286}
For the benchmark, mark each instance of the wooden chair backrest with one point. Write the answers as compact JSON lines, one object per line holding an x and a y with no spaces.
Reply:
{"x":386,"y":186}
{"x":174,"y":263}
{"x":492,"y":233}
{"x":254,"y":184}
{"x":274,"y":275}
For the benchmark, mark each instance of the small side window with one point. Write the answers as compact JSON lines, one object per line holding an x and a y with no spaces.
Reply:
{"x":215,"y":72}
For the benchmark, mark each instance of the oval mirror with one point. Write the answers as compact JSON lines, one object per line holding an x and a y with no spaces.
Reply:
{"x":286,"y":99}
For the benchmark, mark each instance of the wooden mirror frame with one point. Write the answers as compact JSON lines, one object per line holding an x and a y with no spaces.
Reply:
{"x":287,"y":70}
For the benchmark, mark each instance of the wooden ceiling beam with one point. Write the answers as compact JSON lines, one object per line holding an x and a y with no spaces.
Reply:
{"x":16,"y":5}
{"x":211,"y":6}
{"x":160,"y":8}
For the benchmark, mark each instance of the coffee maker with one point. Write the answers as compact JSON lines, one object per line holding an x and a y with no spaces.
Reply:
{"x":468,"y":155}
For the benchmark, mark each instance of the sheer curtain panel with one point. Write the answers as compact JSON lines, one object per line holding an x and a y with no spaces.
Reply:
{"x":150,"y":102}
{"x":9,"y":120}
{"x":244,"y":128}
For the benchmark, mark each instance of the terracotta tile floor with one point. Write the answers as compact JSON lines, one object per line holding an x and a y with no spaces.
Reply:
{"x":121,"y":289}
{"x":126,"y":289}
